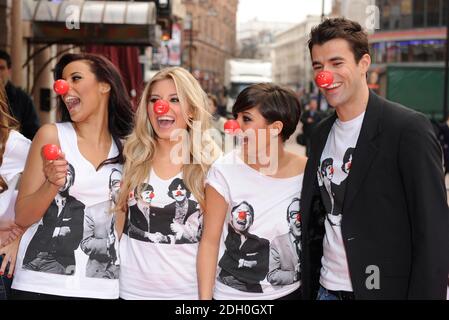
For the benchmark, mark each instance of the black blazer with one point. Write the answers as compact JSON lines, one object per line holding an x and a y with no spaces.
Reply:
{"x":62,"y":247}
{"x":395,"y":212}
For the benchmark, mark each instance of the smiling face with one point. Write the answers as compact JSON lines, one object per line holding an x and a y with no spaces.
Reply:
{"x":86,"y":95}
{"x":255,"y":128}
{"x":179,"y":194}
{"x":337,"y":57}
{"x":164,"y":124}
{"x":241,"y":218}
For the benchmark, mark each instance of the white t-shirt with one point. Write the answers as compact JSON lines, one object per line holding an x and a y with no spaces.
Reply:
{"x":160,"y":242}
{"x":72,"y":251}
{"x":335,"y":165}
{"x":14,"y":158}
{"x":259,"y":249}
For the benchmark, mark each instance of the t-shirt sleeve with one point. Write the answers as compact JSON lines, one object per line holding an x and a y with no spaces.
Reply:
{"x":217,"y":180}
{"x":15,"y":155}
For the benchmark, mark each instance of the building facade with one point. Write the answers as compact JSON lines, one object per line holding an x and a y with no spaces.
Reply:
{"x":291,"y":59}
{"x":209,"y":39}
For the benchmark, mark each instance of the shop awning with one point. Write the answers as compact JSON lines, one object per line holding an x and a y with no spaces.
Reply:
{"x":92,"y":22}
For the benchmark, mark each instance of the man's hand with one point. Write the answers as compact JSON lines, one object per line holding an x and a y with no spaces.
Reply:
{"x":64,"y":231}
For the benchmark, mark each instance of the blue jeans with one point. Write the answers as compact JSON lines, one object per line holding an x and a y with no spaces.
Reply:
{"x":325,"y":295}
{"x":5,"y":284}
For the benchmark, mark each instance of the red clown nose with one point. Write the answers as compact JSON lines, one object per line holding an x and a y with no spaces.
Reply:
{"x":51,"y":151}
{"x":324,"y":79}
{"x":151,"y":195}
{"x":298,"y":217}
{"x":61,"y":86}
{"x":242,"y":215}
{"x":231,"y":126}
{"x":161,"y":107}
{"x":178,"y":193}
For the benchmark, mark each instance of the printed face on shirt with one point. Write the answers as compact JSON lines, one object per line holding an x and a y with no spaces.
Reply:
{"x":179,"y":194}
{"x":114,"y":184}
{"x":329,"y":172}
{"x":294,"y":217}
{"x":241,"y":218}
{"x":295,"y":223}
{"x":68,"y":181}
{"x":147,"y":196}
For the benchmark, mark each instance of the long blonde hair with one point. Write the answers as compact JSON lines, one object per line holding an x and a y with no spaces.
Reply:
{"x":140,"y":147}
{"x":7,"y":123}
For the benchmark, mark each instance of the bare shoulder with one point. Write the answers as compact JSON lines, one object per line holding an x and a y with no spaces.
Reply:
{"x":297,"y":163}
{"x":46,"y":134}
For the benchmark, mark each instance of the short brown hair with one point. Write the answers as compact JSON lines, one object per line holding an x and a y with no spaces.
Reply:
{"x":341,"y":28}
{"x":275,"y":103}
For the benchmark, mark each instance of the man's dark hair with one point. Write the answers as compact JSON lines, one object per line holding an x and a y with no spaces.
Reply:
{"x":341,"y":28}
{"x":275,"y":103}
{"x":174,"y":185}
{"x":5,"y":56}
{"x":346,"y":158}
{"x":326,"y":162}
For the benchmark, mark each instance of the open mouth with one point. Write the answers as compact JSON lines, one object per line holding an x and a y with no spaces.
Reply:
{"x":165,"y":122}
{"x":333,"y":86}
{"x":241,"y":222}
{"x":71,"y":102}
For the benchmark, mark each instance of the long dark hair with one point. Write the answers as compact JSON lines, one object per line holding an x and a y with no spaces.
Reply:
{"x":120,"y":115}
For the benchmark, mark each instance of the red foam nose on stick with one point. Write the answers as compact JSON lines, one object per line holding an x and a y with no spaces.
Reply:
{"x":51,"y":151}
{"x":61,"y":87}
{"x":324,"y":79}
{"x":161,"y":107}
{"x":231,"y":126}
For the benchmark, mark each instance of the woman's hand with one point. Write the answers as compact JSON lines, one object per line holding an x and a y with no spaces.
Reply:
{"x":6,"y":237}
{"x":9,"y":253}
{"x":55,"y":171}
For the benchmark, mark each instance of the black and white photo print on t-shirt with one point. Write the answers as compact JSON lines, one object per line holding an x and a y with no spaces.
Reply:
{"x":285,"y":250}
{"x":52,"y":248}
{"x":244,"y":263}
{"x":187,"y":221}
{"x":333,"y":190}
{"x":99,"y":239}
{"x":138,"y":222}
{"x":177,"y":222}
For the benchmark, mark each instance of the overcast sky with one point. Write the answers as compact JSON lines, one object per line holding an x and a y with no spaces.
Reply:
{"x":279,"y":10}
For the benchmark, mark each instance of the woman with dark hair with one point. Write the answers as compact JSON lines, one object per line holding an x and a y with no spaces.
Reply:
{"x":248,"y":192}
{"x":13,"y":152}
{"x":95,"y":116}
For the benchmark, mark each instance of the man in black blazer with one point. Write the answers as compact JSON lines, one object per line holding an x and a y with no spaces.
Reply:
{"x":52,"y":248}
{"x":393,"y":239}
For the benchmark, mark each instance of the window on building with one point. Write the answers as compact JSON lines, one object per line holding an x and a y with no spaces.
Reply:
{"x":433,"y":13}
{"x":418,"y":13}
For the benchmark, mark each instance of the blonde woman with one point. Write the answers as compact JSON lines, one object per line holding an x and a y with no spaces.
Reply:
{"x":162,"y":193}
{"x":14,"y":149}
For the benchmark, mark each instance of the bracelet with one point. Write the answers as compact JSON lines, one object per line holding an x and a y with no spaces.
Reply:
{"x":48,"y":180}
